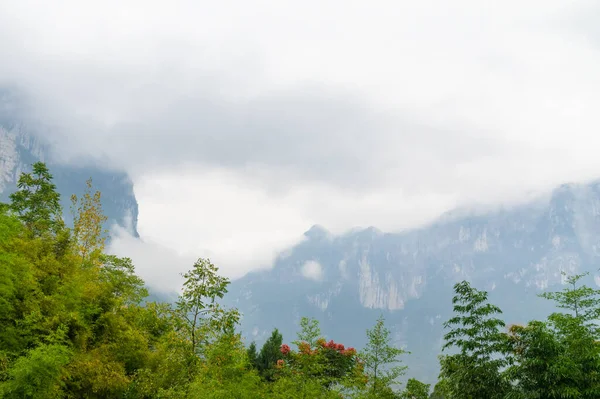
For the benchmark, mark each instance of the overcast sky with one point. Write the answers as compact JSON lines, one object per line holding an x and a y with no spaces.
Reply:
{"x":242,"y":123}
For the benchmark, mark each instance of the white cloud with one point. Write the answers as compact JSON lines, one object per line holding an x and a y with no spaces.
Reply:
{"x":244,"y":124}
{"x":158,"y":265}
{"x":312,"y":270}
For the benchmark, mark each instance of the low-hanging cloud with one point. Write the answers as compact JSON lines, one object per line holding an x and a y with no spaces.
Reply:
{"x":263,"y":119}
{"x":312,"y":270}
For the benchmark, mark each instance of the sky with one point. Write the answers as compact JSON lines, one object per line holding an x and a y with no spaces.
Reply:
{"x":244,"y":123}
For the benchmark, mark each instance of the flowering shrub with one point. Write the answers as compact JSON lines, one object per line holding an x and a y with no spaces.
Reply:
{"x":330,"y":362}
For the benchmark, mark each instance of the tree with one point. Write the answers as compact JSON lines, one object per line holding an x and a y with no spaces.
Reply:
{"x":560,"y":357}
{"x":415,"y":389}
{"x":441,"y":390}
{"x":475,"y":372}
{"x":224,"y":372}
{"x":123,"y":286}
{"x":88,"y":221}
{"x":538,"y":366}
{"x":321,"y":369}
{"x":309,"y":331}
{"x":378,"y":356}
{"x":38,"y":373}
{"x":36,"y":202}
{"x":583,"y":302}
{"x":197,"y":308}
{"x":269,"y":355}
{"x":252,"y":354}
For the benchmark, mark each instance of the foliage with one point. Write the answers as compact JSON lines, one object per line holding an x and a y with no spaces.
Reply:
{"x":583,"y":302}
{"x":323,"y":366}
{"x":269,"y":355}
{"x":36,"y":202}
{"x":75,"y":322}
{"x":378,"y":356}
{"x":415,"y":389}
{"x":252,"y":355}
{"x":476,"y":371}
{"x":88,"y":231}
{"x":197,"y":309}
{"x":561,"y":356}
{"x":37,"y":373}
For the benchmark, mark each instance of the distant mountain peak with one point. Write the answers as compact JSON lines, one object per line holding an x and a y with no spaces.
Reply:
{"x":513,"y":251}
{"x":317,"y":232}
{"x":19,"y":149}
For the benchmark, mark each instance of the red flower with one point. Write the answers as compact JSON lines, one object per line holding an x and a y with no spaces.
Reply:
{"x":285,"y":349}
{"x":280,"y":363}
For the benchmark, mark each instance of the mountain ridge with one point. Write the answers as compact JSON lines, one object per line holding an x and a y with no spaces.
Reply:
{"x":514,"y":253}
{"x":21,"y":146}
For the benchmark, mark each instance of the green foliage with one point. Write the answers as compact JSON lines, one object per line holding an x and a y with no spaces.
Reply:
{"x":197,"y":309}
{"x":559,"y":358}
{"x":415,"y":389}
{"x":118,"y":275}
{"x":379,"y":356}
{"x":38,"y":373}
{"x":309,"y":331}
{"x":88,"y":220}
{"x":474,"y":372}
{"x":321,"y":368}
{"x":582,"y":302}
{"x":269,"y":354}
{"x":37,"y":203}
{"x":252,"y":355}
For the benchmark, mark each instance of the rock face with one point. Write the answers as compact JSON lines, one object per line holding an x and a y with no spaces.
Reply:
{"x":513,"y":253}
{"x":21,"y":146}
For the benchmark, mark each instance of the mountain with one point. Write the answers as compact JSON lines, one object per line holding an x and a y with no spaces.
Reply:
{"x":346,"y":281}
{"x":21,"y":145}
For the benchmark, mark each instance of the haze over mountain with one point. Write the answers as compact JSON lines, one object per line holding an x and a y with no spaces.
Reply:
{"x":21,"y":146}
{"x":346,"y":281}
{"x":234,"y":127}
{"x":243,"y":125}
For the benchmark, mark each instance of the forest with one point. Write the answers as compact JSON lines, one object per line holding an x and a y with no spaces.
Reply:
{"x":76,"y":322}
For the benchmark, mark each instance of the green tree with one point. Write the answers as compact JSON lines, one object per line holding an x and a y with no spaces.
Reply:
{"x":379,"y":357}
{"x":538,"y":366}
{"x":309,"y":332}
{"x":269,"y":354}
{"x":200,"y":318}
{"x":224,"y":372}
{"x":36,"y":202}
{"x":560,"y":357}
{"x":441,"y":390}
{"x":319,"y":369}
{"x":118,"y":277}
{"x":252,"y":354}
{"x":415,"y":389}
{"x":88,"y":220}
{"x":582,"y":302}
{"x":476,"y":371}
{"x":38,"y":373}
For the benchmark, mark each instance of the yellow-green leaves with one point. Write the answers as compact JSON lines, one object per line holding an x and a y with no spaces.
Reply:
{"x":88,"y":221}
{"x":380,"y":357}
